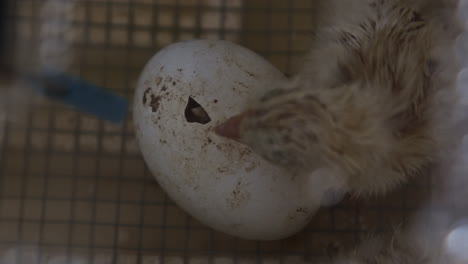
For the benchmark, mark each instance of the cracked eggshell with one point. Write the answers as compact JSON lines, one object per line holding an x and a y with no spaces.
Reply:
{"x":220,"y":182}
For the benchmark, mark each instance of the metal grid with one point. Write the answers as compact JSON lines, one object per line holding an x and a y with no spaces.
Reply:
{"x":74,"y":189}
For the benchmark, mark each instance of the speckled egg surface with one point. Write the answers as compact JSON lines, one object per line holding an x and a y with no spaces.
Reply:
{"x":185,"y":90}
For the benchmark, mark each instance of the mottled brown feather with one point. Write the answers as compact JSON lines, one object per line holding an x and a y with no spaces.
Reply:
{"x":370,"y":101}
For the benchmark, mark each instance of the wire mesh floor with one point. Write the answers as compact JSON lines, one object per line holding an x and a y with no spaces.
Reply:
{"x":76,"y":190}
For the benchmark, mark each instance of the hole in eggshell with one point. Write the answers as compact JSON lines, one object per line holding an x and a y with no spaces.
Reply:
{"x":194,"y":113}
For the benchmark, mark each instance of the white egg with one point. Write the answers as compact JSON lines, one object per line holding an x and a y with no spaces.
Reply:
{"x":184,"y":91}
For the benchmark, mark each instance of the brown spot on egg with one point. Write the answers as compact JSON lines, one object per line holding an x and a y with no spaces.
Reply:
{"x":145,"y":95}
{"x":158,"y":80}
{"x":155,"y":103}
{"x":250,"y":74}
{"x":301,"y":210}
{"x":238,"y":197}
{"x":245,"y":152}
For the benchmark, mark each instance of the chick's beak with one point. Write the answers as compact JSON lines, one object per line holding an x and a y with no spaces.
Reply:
{"x":230,"y":128}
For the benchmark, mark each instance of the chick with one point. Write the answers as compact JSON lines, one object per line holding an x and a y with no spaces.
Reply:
{"x":369,"y":104}
{"x":397,"y":248}
{"x":429,"y":237}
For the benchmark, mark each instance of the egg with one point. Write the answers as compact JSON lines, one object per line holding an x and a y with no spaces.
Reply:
{"x":184,"y":91}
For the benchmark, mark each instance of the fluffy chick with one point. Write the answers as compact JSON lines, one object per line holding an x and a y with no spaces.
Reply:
{"x":368,"y":105}
{"x":398,"y":248}
{"x":432,"y":237}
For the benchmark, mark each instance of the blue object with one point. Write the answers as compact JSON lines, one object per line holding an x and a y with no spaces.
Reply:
{"x":82,"y":95}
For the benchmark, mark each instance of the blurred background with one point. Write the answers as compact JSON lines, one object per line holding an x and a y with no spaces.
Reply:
{"x":74,"y":189}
